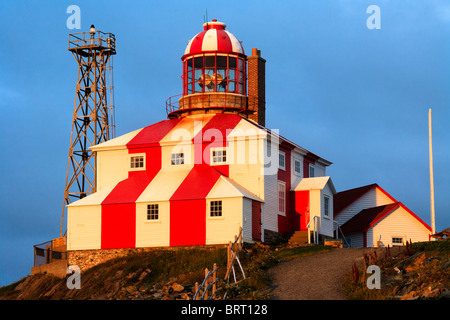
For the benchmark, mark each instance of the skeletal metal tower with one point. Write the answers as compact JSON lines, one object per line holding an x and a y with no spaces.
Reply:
{"x":93,"y":113}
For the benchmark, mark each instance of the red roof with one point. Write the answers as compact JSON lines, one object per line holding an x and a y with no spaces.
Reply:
{"x":366,"y":218}
{"x":197,"y":184}
{"x":369,"y":217}
{"x":343,"y":199}
{"x":214,"y":38}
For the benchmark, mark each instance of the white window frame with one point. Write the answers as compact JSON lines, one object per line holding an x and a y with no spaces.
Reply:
{"x":326,"y":213}
{"x":313,"y":170}
{"x":210,"y":206}
{"x":158,"y":213}
{"x":397,"y":243}
{"x":212,"y":157}
{"x":281,"y":153}
{"x":282,"y":183}
{"x":293,"y":165}
{"x":136,"y":155}
{"x":177,"y":158}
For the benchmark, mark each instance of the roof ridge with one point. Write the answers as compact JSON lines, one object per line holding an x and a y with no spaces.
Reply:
{"x":347,"y":197}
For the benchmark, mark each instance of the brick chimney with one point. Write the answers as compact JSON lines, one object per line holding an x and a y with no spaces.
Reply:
{"x":257,"y":86}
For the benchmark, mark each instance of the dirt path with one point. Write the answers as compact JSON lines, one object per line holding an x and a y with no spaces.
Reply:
{"x":316,"y":277}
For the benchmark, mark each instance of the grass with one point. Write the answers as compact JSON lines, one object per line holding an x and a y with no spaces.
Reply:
{"x":436,"y":246}
{"x":8,"y":290}
{"x":186,"y":265}
{"x":295,"y":252}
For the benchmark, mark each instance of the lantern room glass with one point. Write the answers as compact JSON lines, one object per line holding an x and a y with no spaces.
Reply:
{"x":214,"y":73}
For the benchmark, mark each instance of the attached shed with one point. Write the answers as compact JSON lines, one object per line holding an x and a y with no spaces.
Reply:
{"x":314,"y":203}
{"x":371,"y":217}
{"x":392,"y":224}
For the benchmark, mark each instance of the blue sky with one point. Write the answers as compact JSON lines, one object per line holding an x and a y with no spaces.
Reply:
{"x":354,"y":96}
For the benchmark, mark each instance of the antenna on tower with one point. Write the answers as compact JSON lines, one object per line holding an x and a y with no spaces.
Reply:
{"x":205,"y":16}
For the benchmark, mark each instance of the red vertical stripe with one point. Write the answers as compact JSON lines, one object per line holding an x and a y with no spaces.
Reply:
{"x":286,"y":223}
{"x":196,"y":45}
{"x":223,"y":41}
{"x":187,"y":222}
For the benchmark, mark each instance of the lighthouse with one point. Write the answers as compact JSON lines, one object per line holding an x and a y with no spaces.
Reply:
{"x":209,"y":170}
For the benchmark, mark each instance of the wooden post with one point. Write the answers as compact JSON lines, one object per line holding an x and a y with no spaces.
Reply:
{"x":205,"y":297}
{"x":214,"y":279}
{"x":196,"y":289}
{"x":231,"y":265}
{"x":228,"y":255}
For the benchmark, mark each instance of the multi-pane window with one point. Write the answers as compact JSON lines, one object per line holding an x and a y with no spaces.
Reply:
{"x":282,"y":160}
{"x":326,"y":206}
{"x":397,"y":240}
{"x":177,"y":158}
{"x":216,"y":208}
{"x":214,"y":73}
{"x":152,"y":212}
{"x":137,"y":162}
{"x":311,"y":172}
{"x":297,"y":167}
{"x":219,"y":156}
{"x":281,"y":197}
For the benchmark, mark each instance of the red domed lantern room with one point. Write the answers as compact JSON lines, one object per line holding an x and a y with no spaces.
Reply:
{"x":214,"y":75}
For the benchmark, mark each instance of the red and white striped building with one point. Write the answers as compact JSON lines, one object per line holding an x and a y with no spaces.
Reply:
{"x":209,"y":169}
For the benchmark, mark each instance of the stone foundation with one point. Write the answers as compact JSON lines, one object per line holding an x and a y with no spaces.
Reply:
{"x":273,"y":237}
{"x":86,"y":259}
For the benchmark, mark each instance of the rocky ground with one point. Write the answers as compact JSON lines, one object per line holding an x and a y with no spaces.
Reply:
{"x":420,"y":271}
{"x":48,"y":287}
{"x":417,"y":272}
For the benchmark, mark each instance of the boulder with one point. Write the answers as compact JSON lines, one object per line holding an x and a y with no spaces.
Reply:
{"x":409,"y":263}
{"x":130,"y":289}
{"x":177,"y":287}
